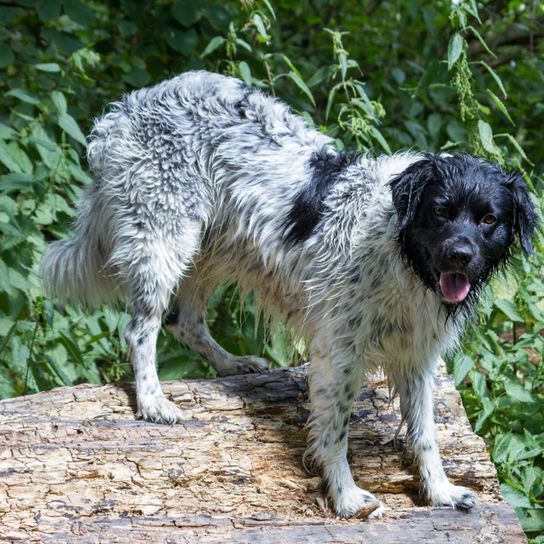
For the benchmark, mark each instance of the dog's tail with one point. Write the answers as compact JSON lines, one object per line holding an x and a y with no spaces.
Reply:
{"x":75,"y":270}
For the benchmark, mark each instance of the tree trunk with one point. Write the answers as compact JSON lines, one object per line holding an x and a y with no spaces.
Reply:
{"x":76,"y":466}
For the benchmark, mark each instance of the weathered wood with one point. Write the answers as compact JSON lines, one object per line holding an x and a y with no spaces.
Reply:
{"x":75,"y":466}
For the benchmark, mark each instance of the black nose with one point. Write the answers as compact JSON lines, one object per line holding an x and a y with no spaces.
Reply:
{"x":459,"y":255}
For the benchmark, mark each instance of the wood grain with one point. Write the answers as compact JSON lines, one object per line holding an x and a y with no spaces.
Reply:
{"x":75,"y":466}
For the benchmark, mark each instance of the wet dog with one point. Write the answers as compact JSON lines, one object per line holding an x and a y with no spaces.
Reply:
{"x":377,"y":262}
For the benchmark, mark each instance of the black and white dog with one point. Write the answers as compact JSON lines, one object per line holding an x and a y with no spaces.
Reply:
{"x":377,"y":262}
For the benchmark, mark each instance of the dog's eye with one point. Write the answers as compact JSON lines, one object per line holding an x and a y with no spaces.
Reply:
{"x":440,"y":211}
{"x":489,"y":219}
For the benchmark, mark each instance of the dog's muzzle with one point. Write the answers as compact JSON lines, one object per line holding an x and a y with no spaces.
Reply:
{"x":456,"y":258}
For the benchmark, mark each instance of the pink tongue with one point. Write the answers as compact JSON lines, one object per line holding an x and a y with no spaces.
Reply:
{"x":454,"y":287}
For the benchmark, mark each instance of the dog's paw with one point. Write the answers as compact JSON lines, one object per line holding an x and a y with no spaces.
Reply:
{"x":244,"y":365}
{"x":357,"y":503}
{"x":452,"y":496}
{"x":160,"y":410}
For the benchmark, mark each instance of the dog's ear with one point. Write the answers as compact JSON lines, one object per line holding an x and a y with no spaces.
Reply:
{"x":524,"y":213}
{"x":408,"y":186}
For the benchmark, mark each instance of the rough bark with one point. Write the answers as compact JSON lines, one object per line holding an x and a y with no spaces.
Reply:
{"x":75,"y":466}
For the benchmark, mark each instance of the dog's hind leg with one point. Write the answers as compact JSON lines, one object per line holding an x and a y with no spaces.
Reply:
{"x":335,"y":380}
{"x":151,"y":264}
{"x":416,"y":403}
{"x":187,"y":322}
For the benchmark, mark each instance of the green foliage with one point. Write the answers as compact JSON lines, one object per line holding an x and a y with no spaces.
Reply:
{"x":373,"y":75}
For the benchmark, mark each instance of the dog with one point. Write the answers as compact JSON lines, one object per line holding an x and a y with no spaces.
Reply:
{"x":378,"y":263}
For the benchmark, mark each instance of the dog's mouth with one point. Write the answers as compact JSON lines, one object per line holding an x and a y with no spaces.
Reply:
{"x":454,"y":286}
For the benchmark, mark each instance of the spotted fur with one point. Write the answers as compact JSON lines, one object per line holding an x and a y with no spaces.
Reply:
{"x":200,"y":180}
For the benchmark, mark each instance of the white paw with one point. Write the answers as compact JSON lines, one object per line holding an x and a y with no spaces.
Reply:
{"x":159,"y":409}
{"x":244,"y":365}
{"x":449,"y":495}
{"x":358,"y":503}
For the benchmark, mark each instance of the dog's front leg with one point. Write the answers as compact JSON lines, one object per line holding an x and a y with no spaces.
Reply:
{"x":416,"y":402}
{"x":334,"y":382}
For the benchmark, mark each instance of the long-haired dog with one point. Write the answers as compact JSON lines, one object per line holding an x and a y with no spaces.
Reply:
{"x":377,"y":262}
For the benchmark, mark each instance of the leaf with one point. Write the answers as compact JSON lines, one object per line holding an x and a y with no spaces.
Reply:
{"x":517,"y":392}
{"x":244,"y":44}
{"x":70,"y":126}
{"x":76,"y":171}
{"x":48,"y":10}
{"x":461,"y":367}
{"x":6,"y":133}
{"x":342,"y":59}
{"x":19,"y":352}
{"x":516,"y":498}
{"x":486,"y":137}
{"x":398,"y":75}
{"x":217,"y":15}
{"x":494,"y":75}
{"x":455,"y":48}
{"x":498,"y":102}
{"x":478,"y":384}
{"x":302,"y":86}
{"x":259,"y":25}
{"x":295,"y":76}
{"x":137,"y":77}
{"x":508,"y":308}
{"x":79,"y":12}
{"x":482,"y":41}
{"x":318,"y":77}
{"x":50,"y":153}
{"x":51,"y":67}
{"x":183,"y":41}
{"x":20,"y":157}
{"x":41,"y":375}
{"x":501,"y":448}
{"x":434,"y":124}
{"x":532,"y":521}
{"x":24,"y":96}
{"x":330,"y":101}
{"x":488,"y":409}
{"x":6,"y":338}
{"x":72,"y":347}
{"x":16,"y":182}
{"x":6,"y":158}
{"x":214,"y":44}
{"x":186,"y":12}
{"x":58,"y":370}
{"x":378,"y":136}
{"x":270,"y":8}
{"x":513,"y":141}
{"x":245,"y":72}
{"x":59,"y":101}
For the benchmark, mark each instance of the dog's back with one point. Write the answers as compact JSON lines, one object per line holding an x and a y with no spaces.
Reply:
{"x":169,"y":162}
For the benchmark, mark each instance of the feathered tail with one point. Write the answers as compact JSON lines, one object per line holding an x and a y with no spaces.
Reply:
{"x":75,"y":270}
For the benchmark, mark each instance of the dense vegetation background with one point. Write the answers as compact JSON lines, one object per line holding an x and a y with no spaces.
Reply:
{"x":380,"y":75}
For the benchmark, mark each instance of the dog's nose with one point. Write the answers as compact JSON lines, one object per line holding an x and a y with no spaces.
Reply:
{"x":459,"y":255}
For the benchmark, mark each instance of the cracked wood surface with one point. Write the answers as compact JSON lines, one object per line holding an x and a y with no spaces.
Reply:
{"x":75,"y":466}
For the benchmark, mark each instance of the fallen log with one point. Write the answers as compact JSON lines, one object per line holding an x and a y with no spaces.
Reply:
{"x":76,"y":466}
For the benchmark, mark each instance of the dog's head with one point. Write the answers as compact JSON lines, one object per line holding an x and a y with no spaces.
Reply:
{"x":458,"y":217}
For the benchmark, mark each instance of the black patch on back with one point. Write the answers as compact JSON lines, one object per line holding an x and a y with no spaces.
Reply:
{"x":310,"y":202}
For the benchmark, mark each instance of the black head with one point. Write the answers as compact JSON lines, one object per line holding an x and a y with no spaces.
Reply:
{"x":458,"y":217}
